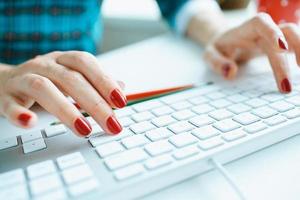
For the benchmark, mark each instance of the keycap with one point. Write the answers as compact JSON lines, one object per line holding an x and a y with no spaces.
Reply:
{"x":181,"y":105}
{"x":272,"y":97}
{"x":102,"y":139}
{"x":180,"y":127}
{"x":233,"y":135}
{"x":58,"y":194}
{"x":31,"y":136}
{"x":186,"y":152}
{"x":108,"y":149}
{"x":13,"y":177}
{"x":239,"y":108}
{"x":142,"y":127}
{"x":201,"y":120}
{"x":210,"y":144}
{"x":295,"y":100}
{"x":183,"y":139}
{"x":70,"y":160}
{"x":159,"y":147}
{"x":256,"y":127}
{"x":198,"y":100}
{"x":40,"y":169}
{"x":126,"y":121}
{"x":51,"y":131}
{"x":256,"y":102}
{"x":8,"y":143}
{"x":291,"y":114}
{"x":91,"y":120}
{"x":34,"y":145}
{"x":44,"y":184}
{"x":202,"y":109}
{"x":129,"y":172}
{"x":124,"y":112}
{"x":264,"y":112}
{"x":143,"y":116}
{"x":246,"y":118}
{"x":83,"y":187}
{"x":220,"y":103}
{"x":78,"y":173}
{"x":220,"y":114}
{"x":251,"y":93}
{"x":125,"y":158}
{"x":164,"y":110}
{"x":163,"y":121}
{"x":134,"y":141}
{"x":231,"y":91}
{"x":205,"y":132}
{"x":215,"y":95}
{"x":159,"y":161}
{"x":237,"y":98}
{"x":275,"y":120}
{"x":14,"y":192}
{"x":282,"y":106}
{"x":158,"y":134}
{"x":97,"y":130}
{"x":183,"y":114}
{"x":226,"y":125}
{"x":147,"y":105}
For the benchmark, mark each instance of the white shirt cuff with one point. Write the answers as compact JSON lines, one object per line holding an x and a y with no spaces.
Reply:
{"x":190,"y":9}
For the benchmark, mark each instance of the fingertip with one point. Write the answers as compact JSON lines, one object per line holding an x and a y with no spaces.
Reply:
{"x":229,"y":71}
{"x":26,"y":119}
{"x":82,"y":126}
{"x":286,"y":86}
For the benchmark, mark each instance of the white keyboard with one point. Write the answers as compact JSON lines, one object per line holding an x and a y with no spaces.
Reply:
{"x":171,"y":137}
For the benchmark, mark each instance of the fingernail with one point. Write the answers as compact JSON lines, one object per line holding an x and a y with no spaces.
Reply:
{"x":83,"y":127}
{"x":24,"y":119}
{"x":77,"y":105}
{"x":226,"y":70}
{"x":118,"y":99}
{"x":282,"y":44}
{"x":113,"y":125}
{"x":286,"y":85}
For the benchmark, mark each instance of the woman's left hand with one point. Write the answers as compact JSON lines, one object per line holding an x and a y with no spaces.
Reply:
{"x":258,"y":36}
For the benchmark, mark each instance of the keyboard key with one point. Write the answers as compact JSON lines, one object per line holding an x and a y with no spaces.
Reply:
{"x":246,"y":118}
{"x":256,"y":127}
{"x":186,"y":152}
{"x":157,"y":162}
{"x":183,"y":139}
{"x":31,"y":136}
{"x":215,"y":95}
{"x":124,"y":112}
{"x":147,"y":105}
{"x":14,"y":192}
{"x":256,"y":102}
{"x":45,"y":184}
{"x":183,"y":114}
{"x":181,"y":105}
{"x":198,"y":100}
{"x":210,"y":144}
{"x":295,"y":100}
{"x":97,"y":130}
{"x":276,"y":120}
{"x":134,"y":141}
{"x":205,"y":132}
{"x":159,"y":134}
{"x":164,"y":110}
{"x":58,"y":194}
{"x":282,"y":106}
{"x":125,"y":158}
{"x":163,"y":121}
{"x":143,"y":116}
{"x":40,"y":169}
{"x":291,"y":114}
{"x":226,"y":125}
{"x":180,"y":127}
{"x":158,"y":148}
{"x":13,"y":177}
{"x":8,"y":143}
{"x":51,"y":131}
{"x":70,"y":160}
{"x":237,"y":98}
{"x":239,"y":108}
{"x":233,"y":135}
{"x":126,"y":121}
{"x":201,"y":120}
{"x":272,"y":97}
{"x":251,"y":93}
{"x":202,"y":109}
{"x":220,"y":114}
{"x":78,"y":173}
{"x":102,"y":139}
{"x":34,"y":145}
{"x":129,"y":172}
{"x":142,"y":127}
{"x":108,"y":149}
{"x":220,"y":103}
{"x":83,"y":187}
{"x":264,"y":112}
{"x":91,"y":120}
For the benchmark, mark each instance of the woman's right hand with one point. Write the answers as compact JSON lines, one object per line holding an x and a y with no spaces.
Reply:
{"x":48,"y":78}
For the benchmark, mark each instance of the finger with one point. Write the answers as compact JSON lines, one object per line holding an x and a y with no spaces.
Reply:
{"x":121,"y":84}
{"x":220,"y":64}
{"x":89,"y":66}
{"x":43,"y":91}
{"x":16,"y":113}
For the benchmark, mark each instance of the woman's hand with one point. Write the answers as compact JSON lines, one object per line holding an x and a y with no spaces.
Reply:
{"x":258,"y":36}
{"x":48,"y":78}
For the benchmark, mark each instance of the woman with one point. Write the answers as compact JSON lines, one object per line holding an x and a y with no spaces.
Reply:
{"x":38,"y":66}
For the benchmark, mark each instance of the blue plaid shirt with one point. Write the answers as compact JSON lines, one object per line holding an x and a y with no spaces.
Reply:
{"x":35,"y":27}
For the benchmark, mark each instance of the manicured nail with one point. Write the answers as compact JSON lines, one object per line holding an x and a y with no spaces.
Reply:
{"x":113,"y":125}
{"x":226,"y":70}
{"x":24,"y":119}
{"x":83,"y":127}
{"x":77,"y":105}
{"x":118,"y":99}
{"x":282,"y":44}
{"x":286,"y":85}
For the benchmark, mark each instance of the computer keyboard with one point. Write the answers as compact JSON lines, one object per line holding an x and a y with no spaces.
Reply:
{"x":164,"y":141}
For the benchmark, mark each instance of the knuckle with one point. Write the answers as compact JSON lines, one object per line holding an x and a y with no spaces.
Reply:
{"x":38,"y":83}
{"x":101,"y":107}
{"x":72,"y":77}
{"x":82,"y":57}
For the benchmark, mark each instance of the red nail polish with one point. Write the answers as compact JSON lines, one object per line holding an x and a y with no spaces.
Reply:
{"x":24,"y":118}
{"x":282,"y":44}
{"x":113,"y":125}
{"x":82,"y":126}
{"x":118,"y":99}
{"x":77,"y":105}
{"x":226,"y":70}
{"x":286,"y":85}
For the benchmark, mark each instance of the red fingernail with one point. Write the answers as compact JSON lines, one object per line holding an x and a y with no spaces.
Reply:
{"x":82,"y":126}
{"x":282,"y":44}
{"x":24,"y":118}
{"x":118,"y":99}
{"x":226,"y":70}
{"x":113,"y":125}
{"x":286,"y":85}
{"x":77,"y":105}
